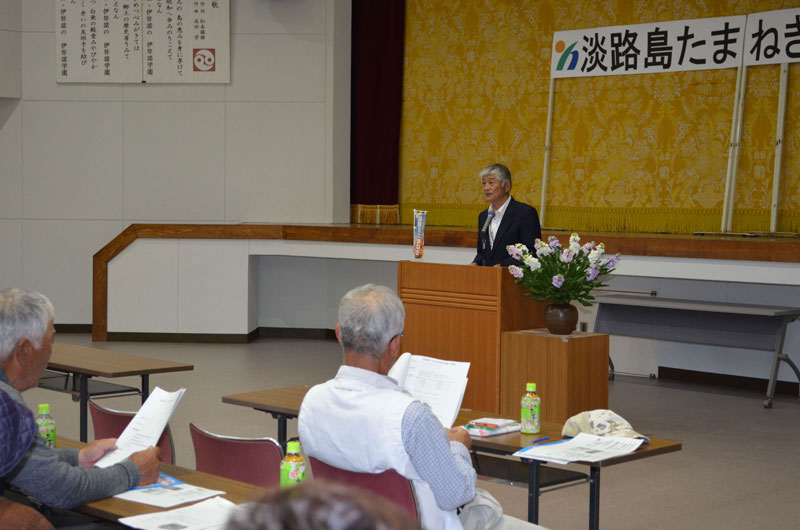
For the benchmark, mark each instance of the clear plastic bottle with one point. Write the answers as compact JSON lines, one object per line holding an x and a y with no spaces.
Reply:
{"x":46,"y":424}
{"x":531,"y":407}
{"x":293,"y":468}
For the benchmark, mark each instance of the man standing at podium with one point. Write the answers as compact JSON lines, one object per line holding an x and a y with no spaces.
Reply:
{"x":505,"y":222}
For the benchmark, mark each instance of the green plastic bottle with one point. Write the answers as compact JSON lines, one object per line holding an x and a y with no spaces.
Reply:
{"x":531,"y":406}
{"x":46,"y":424}
{"x":293,"y":468}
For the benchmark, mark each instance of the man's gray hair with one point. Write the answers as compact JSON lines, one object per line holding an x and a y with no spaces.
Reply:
{"x":500,"y":172}
{"x":23,"y":315}
{"x":370,"y":316}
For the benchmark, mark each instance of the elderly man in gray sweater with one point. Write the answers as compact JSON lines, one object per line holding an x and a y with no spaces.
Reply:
{"x":59,"y":478}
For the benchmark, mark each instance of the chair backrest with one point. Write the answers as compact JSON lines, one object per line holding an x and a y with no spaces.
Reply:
{"x":253,"y":460}
{"x":21,"y":517}
{"x":389,"y":484}
{"x":109,"y":423}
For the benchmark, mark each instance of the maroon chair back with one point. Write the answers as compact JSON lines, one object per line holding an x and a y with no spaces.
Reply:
{"x":21,"y":517}
{"x":109,"y":423}
{"x":253,"y":460}
{"x":389,"y":484}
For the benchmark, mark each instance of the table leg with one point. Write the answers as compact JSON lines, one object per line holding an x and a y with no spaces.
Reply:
{"x":533,"y":492}
{"x":145,"y":387}
{"x":594,"y":498}
{"x":281,"y":428}
{"x":84,"y":428}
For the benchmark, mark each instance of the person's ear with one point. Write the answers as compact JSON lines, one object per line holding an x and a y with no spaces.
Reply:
{"x":338,"y":333}
{"x":22,"y":351}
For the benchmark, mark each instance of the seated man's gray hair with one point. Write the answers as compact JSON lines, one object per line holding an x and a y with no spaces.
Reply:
{"x":369,"y":317}
{"x":23,"y":315}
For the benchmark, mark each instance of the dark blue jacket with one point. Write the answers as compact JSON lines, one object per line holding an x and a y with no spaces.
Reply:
{"x":520,"y":224}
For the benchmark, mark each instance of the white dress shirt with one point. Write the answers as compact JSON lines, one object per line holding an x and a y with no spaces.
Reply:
{"x":496,"y":220}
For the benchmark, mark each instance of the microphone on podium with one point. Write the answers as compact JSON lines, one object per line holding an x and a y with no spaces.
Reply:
{"x":489,"y":217}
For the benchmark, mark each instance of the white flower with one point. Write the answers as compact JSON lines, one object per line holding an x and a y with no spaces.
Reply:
{"x":532,"y":263}
{"x":543,"y":249}
{"x":597,"y":253}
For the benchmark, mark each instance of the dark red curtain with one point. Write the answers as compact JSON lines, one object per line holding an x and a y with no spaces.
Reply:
{"x":376,"y":105}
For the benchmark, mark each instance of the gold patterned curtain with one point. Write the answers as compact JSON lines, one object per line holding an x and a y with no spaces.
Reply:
{"x":636,"y":153}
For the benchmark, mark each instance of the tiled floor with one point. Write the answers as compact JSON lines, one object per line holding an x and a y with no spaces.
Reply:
{"x":738,"y":468}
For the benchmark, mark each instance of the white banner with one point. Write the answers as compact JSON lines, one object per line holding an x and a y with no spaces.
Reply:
{"x":131,"y":41}
{"x":700,"y":44}
{"x":186,"y":41}
{"x":773,"y":37}
{"x":98,"y":41}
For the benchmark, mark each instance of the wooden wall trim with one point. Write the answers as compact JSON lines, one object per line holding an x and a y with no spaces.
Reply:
{"x":785,"y":250}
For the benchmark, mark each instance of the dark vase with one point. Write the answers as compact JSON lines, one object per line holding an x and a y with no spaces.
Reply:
{"x":561,"y":319}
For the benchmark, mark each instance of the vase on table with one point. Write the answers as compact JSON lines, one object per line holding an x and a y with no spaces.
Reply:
{"x":561,"y":319}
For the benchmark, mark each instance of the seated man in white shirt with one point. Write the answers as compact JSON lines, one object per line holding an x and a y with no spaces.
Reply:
{"x":363,"y":421}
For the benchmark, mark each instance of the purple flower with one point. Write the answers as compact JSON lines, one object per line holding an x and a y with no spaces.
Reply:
{"x":554,"y":242}
{"x":514,"y":252}
{"x":567,"y":255}
{"x":587,"y":247}
{"x":558,"y":280}
{"x":515,"y":271}
{"x":594,"y":270}
{"x":611,"y":262}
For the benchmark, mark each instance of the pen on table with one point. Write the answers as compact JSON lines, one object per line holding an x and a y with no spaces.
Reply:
{"x":542,"y":439}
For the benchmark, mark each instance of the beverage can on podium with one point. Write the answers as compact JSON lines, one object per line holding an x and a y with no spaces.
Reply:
{"x":293,"y":468}
{"x":531,"y":408}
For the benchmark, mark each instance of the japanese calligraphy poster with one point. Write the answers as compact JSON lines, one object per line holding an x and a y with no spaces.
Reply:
{"x":131,"y":41}
{"x":186,"y":41}
{"x":98,"y":41}
{"x":773,"y":37}
{"x":699,"y":44}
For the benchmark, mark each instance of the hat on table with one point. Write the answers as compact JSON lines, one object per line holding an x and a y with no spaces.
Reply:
{"x":600,"y":422}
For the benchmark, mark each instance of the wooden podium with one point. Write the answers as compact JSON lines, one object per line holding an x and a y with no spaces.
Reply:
{"x":458,"y":313}
{"x":570,"y":372}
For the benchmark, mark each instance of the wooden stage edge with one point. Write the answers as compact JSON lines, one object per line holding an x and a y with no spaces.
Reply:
{"x":667,"y":245}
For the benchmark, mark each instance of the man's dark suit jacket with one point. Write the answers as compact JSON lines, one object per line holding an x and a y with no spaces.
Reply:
{"x":520,"y":224}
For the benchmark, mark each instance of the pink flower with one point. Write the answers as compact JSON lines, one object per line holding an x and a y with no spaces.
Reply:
{"x":515,"y":271}
{"x":567,"y":255}
{"x":514,"y":252}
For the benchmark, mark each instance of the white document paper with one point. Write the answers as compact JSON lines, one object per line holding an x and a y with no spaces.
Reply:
{"x":440,"y":384}
{"x":167,"y":492}
{"x":146,"y":427}
{"x":584,"y":448}
{"x":209,"y":515}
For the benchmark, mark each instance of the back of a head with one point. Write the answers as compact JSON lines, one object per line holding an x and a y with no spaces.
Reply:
{"x":24,"y":314}
{"x":369,"y":316}
{"x":322,"y":505}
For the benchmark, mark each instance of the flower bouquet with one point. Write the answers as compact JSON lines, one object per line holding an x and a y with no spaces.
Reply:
{"x":559,"y":275}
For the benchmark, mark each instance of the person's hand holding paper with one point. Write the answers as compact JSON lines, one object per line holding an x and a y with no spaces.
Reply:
{"x":144,"y":430}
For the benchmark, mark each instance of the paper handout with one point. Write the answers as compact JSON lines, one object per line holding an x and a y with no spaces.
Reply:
{"x":207,"y":515}
{"x":146,"y":427}
{"x":167,"y":492}
{"x":584,"y":448}
{"x":440,"y":384}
